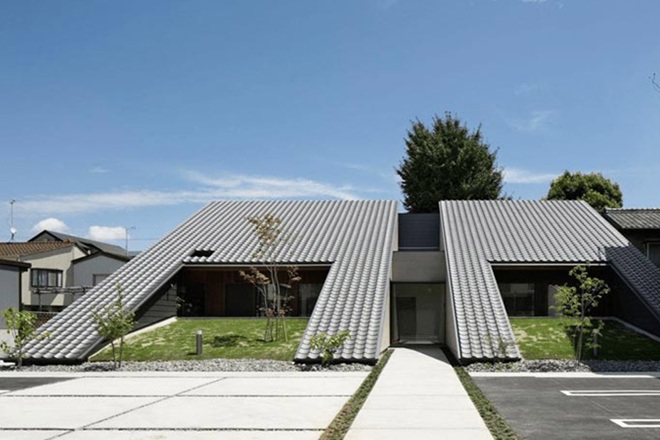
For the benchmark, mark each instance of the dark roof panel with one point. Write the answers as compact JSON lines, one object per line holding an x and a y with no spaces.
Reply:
{"x":648,"y":218}
{"x":419,"y":231}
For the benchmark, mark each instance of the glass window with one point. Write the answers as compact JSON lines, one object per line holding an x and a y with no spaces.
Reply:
{"x":308,"y":294}
{"x":518,"y":298}
{"x":45,"y":278}
{"x":653,"y":252}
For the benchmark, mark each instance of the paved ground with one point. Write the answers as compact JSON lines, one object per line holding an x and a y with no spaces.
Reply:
{"x":576,"y":406}
{"x":193,"y":406}
{"x":418,"y":396}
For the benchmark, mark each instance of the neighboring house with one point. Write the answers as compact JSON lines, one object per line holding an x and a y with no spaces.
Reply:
{"x":61,"y":270}
{"x":641,"y":227}
{"x":10,"y":285}
{"x":449,"y":278}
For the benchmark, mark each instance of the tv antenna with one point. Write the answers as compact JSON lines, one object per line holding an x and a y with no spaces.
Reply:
{"x":12,"y":229}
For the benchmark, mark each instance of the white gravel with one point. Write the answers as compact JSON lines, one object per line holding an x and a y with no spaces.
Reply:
{"x":208,"y":365}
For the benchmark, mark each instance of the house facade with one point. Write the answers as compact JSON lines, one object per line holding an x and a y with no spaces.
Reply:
{"x":451,"y":278}
{"x":641,"y":227}
{"x":10,"y":286}
{"x":61,"y":270}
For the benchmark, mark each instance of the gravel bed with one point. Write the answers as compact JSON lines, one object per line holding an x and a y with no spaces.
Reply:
{"x":553,"y":365}
{"x":209,"y":365}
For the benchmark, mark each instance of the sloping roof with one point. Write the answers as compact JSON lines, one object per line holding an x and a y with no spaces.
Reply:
{"x":355,"y":237}
{"x":18,"y":249}
{"x":648,"y":218}
{"x":86,"y":243}
{"x":478,"y":233}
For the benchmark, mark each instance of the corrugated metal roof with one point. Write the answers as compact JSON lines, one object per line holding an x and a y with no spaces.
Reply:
{"x":648,"y":218}
{"x":478,"y":233}
{"x":354,"y":236}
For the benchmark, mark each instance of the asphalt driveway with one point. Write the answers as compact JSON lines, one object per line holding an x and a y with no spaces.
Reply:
{"x":133,"y":406}
{"x":562,"y":407}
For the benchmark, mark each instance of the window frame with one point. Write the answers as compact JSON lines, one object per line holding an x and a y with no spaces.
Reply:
{"x":35,"y":275}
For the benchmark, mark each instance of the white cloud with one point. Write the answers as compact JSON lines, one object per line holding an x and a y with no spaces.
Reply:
{"x":51,"y":224}
{"x":536,"y":121}
{"x":534,"y":1}
{"x":98,"y":170}
{"x":106,"y":233}
{"x":518,"y":175}
{"x":214,"y":188}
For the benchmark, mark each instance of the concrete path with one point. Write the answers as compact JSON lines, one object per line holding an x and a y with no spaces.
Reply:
{"x":297,"y":406}
{"x":418,"y":396}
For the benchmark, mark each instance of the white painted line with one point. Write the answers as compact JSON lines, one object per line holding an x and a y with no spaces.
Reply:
{"x":637,"y":423}
{"x":610,"y":393}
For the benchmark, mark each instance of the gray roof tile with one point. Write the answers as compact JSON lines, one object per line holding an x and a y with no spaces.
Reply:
{"x":354,"y":237}
{"x":647,"y":218}
{"x":478,"y":233}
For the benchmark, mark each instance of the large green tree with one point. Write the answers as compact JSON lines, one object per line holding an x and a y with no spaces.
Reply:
{"x":447,"y":161}
{"x":593,"y":188}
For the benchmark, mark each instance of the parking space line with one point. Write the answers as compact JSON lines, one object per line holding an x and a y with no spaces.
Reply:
{"x":611,"y":393}
{"x":637,"y":423}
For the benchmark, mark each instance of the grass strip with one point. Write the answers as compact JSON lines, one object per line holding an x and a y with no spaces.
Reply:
{"x":343,"y":420}
{"x":498,"y":427}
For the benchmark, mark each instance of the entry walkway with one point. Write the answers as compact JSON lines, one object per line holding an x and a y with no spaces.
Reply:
{"x":418,"y":395}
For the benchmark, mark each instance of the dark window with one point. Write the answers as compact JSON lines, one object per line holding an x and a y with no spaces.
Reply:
{"x":45,"y":278}
{"x":518,"y":298}
{"x":653,"y":252}
{"x":308,"y":294}
{"x":201,"y":253}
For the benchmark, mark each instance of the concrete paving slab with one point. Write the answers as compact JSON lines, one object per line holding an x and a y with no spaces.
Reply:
{"x":418,"y":395}
{"x":12,"y":434}
{"x":418,"y":434}
{"x":194,"y":412}
{"x":295,"y":386}
{"x":439,"y":403}
{"x":116,"y":386}
{"x":25,"y":412}
{"x":192,"y":435}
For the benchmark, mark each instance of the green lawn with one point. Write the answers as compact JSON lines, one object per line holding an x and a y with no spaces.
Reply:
{"x":223,"y":338}
{"x":545,"y":338}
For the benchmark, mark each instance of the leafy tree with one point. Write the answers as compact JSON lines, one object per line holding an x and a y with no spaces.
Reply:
{"x":576,"y":303}
{"x":447,"y":162}
{"x":266,"y":277}
{"x":113,"y":323}
{"x":22,"y":328}
{"x":593,"y":188}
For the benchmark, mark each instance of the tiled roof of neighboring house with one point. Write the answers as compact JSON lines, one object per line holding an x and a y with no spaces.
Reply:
{"x":478,"y":233}
{"x":85,"y":243}
{"x":648,"y":218}
{"x":17,"y":249}
{"x":355,"y":237}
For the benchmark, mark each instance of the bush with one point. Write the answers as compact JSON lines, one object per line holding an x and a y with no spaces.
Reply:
{"x":329,"y":344}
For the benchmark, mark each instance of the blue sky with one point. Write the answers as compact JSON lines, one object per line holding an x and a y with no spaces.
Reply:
{"x":116,"y":114}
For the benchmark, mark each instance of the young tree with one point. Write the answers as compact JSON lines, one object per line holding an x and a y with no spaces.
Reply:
{"x":267,"y":276}
{"x":447,"y":162}
{"x":115,"y":322}
{"x":593,"y":188}
{"x":576,"y":303}
{"x":22,"y":328}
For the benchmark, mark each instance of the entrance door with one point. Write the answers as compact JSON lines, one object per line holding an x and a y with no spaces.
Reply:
{"x":239,"y":300}
{"x":418,"y":313}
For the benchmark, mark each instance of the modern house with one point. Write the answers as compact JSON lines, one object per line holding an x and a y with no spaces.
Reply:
{"x":10,"y":285}
{"x":641,"y":227}
{"x":62,"y":268}
{"x":449,"y":278}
